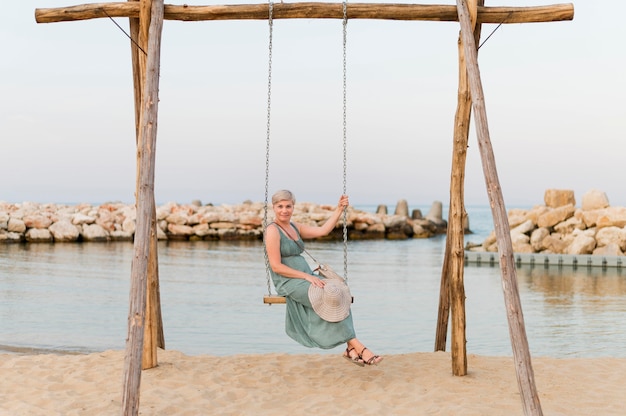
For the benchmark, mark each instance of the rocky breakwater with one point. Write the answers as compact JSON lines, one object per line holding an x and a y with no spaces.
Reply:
{"x":47,"y":223}
{"x":559,"y":227}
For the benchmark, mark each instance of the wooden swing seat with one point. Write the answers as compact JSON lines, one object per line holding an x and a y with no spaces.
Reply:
{"x":272,"y":299}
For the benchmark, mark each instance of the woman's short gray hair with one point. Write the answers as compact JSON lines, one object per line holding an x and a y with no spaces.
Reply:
{"x":283,"y":195}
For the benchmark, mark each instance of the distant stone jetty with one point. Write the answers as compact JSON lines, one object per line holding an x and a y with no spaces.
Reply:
{"x":559,"y":227}
{"x":31,"y":222}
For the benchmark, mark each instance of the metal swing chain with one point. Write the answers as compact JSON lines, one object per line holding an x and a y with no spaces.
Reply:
{"x":345,"y":211}
{"x":267,"y":145}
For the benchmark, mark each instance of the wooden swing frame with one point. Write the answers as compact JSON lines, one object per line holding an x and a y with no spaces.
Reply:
{"x":146,"y":22}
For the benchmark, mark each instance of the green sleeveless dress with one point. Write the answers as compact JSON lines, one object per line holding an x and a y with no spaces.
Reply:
{"x":301,"y":322}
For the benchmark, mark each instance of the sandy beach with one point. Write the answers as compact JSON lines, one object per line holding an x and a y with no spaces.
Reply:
{"x":406,"y":384}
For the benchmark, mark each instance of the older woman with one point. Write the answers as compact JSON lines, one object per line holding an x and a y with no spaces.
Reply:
{"x":293,"y":277}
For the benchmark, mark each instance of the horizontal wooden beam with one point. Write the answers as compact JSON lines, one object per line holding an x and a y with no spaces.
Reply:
{"x":311,"y":10}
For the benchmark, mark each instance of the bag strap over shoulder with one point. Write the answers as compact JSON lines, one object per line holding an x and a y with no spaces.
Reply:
{"x":323,"y":269}
{"x":298,"y":243}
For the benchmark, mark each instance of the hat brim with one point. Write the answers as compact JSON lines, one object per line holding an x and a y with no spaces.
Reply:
{"x":332,"y":302}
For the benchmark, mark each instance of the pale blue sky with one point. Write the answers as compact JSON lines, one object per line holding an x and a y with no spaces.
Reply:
{"x":554,"y":94}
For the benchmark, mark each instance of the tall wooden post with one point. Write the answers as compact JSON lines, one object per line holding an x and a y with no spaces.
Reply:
{"x":517,"y":330}
{"x":153,"y":332}
{"x":145,"y":209}
{"x":452,"y":290}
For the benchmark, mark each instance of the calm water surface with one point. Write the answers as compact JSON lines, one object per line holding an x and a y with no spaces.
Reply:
{"x":74,"y":297}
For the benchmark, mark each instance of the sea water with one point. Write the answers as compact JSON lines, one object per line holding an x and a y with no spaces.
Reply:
{"x":74,"y":298}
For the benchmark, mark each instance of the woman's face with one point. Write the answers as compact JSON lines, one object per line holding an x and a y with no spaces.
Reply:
{"x":283,"y":210}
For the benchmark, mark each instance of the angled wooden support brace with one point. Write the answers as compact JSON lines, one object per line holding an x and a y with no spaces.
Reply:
{"x":517,"y":330}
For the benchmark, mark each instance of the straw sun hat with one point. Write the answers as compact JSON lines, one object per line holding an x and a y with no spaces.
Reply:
{"x":332,"y":302}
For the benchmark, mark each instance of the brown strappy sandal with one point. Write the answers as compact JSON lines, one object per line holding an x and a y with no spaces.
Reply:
{"x":374,"y":359}
{"x":354,"y":360}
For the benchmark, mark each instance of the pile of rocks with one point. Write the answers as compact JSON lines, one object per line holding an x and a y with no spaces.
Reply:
{"x":558,"y":227}
{"x":41,"y":223}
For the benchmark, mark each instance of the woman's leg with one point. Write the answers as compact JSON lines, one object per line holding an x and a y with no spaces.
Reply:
{"x":352,"y":352}
{"x":364,"y":353}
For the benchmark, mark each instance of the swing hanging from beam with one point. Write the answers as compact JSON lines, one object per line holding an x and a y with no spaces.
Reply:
{"x":271,"y":298}
{"x":147,"y":18}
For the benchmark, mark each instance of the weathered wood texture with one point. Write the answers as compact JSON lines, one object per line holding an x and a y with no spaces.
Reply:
{"x":153,"y":334}
{"x":454,"y":257}
{"x":153,"y":329}
{"x":312,"y":10}
{"x":443,"y":311}
{"x":517,"y":331}
{"x":271,"y":299}
{"x":456,"y":217}
{"x":153,"y":325}
{"x":145,"y":208}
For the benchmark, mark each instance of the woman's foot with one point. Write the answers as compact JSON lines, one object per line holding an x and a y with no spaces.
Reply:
{"x":369,"y":357}
{"x":351,"y":355}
